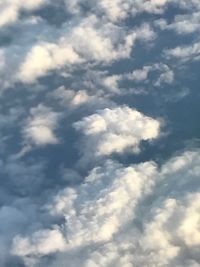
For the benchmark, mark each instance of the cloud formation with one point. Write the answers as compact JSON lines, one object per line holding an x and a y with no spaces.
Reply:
{"x":10,"y":10}
{"x":116,"y":130}
{"x":99,"y":137}
{"x":185,"y":53}
{"x":45,"y":57}
{"x":39,"y":128}
{"x":111,"y":219}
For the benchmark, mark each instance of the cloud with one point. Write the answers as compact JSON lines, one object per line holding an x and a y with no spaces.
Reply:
{"x":184,"y":53}
{"x":10,"y":10}
{"x":166,"y":75}
{"x":88,"y":217}
{"x":45,"y":57}
{"x":108,"y":42}
{"x":70,"y":97}
{"x":116,"y":130}
{"x":182,"y":24}
{"x":119,"y":9}
{"x":40,"y":126}
{"x":130,"y":216}
{"x":174,"y":233}
{"x":83,"y":74}
{"x":89,"y":41}
{"x":111,"y":83}
{"x":12,"y":220}
{"x":74,"y":100}
{"x":40,"y":244}
{"x":192,"y":5}
{"x":155,"y":75}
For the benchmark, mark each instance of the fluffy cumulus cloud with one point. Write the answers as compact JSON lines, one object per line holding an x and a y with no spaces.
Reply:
{"x":117,"y":130}
{"x":78,"y":205}
{"x":99,"y":136}
{"x":109,"y":220}
{"x":39,"y":128}
{"x":45,"y":57}
{"x":87,"y":42}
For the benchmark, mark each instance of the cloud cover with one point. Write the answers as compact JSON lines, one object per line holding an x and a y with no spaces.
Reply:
{"x":124,"y":215}
{"x":99,"y":158}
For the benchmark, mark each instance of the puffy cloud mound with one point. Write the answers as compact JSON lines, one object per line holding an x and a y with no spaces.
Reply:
{"x":123,"y":216}
{"x":78,"y":80}
{"x":40,"y":126}
{"x":117,"y":130}
{"x":40,"y":243}
{"x":88,"y":41}
{"x":174,"y":234}
{"x":46,"y":57}
{"x":94,"y":211}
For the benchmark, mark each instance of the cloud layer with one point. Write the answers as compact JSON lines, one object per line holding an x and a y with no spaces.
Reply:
{"x":124,"y":215}
{"x":99,"y":136}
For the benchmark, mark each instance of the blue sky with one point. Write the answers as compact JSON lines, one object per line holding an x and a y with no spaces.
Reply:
{"x":100,"y":133}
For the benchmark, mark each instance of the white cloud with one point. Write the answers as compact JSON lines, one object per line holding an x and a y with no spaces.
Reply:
{"x":40,"y":126}
{"x":123,"y":8}
{"x":182,"y":24}
{"x":87,"y":42}
{"x":157,"y":74}
{"x":88,"y":217}
{"x":118,"y":215}
{"x":119,"y":9}
{"x":2,"y":60}
{"x":191,"y":5}
{"x":174,"y":231}
{"x":125,"y":216}
{"x":68,"y":97}
{"x":106,"y":42}
{"x":107,"y":184}
{"x":115,"y":9}
{"x":45,"y":57}
{"x":184,"y":53}
{"x":140,"y":74}
{"x":165,"y":74}
{"x":40,"y":243}
{"x":10,"y":10}
{"x":116,"y":130}
{"x":111,"y":83}
{"x":12,"y":221}
{"x":71,"y":100}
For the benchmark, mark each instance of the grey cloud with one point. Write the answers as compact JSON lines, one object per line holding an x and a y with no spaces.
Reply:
{"x":184,"y":53}
{"x":182,"y":24}
{"x":162,"y":74}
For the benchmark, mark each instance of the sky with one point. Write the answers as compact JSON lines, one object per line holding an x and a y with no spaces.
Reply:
{"x":99,"y":133}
